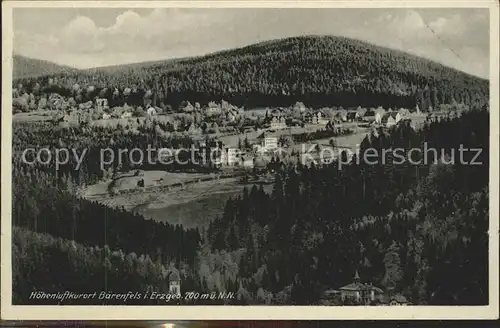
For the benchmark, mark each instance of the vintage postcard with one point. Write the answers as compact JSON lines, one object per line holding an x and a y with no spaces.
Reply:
{"x":250,"y":160}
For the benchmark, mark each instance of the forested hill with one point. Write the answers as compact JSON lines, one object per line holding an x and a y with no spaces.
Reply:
{"x":24,"y":67}
{"x":317,"y":70}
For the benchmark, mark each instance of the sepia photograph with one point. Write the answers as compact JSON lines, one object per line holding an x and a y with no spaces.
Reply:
{"x":233,"y":161}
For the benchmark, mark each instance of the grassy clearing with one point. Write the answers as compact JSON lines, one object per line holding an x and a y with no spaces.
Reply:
{"x":128,"y":180}
{"x":32,"y":116}
{"x":194,"y":205}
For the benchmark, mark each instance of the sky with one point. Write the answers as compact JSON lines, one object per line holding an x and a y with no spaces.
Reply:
{"x":92,"y":37}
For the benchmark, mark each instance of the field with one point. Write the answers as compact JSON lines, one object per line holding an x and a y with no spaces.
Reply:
{"x":192,"y":205}
{"x":35,"y":116}
{"x":232,"y":140}
{"x":128,"y":181}
{"x":348,"y":141}
{"x":256,"y":112}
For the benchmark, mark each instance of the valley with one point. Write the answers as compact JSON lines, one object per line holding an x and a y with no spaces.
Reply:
{"x":230,"y":205}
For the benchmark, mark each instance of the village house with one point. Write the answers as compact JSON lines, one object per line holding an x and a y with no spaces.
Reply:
{"x":300,"y":107}
{"x":102,"y":103}
{"x":193,"y":129}
{"x":258,"y":148}
{"x":398,"y":299}
{"x":352,"y":116}
{"x":259,"y":165}
{"x":248,"y":161}
{"x":213,"y":109}
{"x":85,"y":106}
{"x":369,"y":116}
{"x":215,"y":152}
{"x":323,"y":118}
{"x":361,"y":111}
{"x":379,"y":113}
{"x":404,"y":112}
{"x":317,"y":118}
{"x":330,"y":295}
{"x":230,"y":117}
{"x":278,"y":123}
{"x":268,"y":141}
{"x":334,"y":125}
{"x":341,"y":116}
{"x":276,"y":112}
{"x":213,"y":127}
{"x":361,"y":293}
{"x":230,"y":156}
{"x":62,"y":119}
{"x":390,"y":119}
{"x":186,"y":107}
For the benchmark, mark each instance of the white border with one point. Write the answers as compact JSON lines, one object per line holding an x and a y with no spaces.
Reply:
{"x":11,"y":312}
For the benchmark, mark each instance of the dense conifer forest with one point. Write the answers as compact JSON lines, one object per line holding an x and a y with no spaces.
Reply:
{"x":317,"y":70}
{"x":407,"y":228}
{"x":33,"y":68}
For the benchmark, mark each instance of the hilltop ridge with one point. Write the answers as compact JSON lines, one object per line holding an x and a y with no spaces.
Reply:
{"x":24,"y":67}
{"x":318,"y":70}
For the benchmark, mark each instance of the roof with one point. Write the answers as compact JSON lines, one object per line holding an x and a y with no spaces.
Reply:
{"x":399,"y":298}
{"x":358,"y":286}
{"x":259,"y":162}
{"x":267,"y":134}
{"x":352,"y":286}
{"x":388,"y":115}
{"x":324,"y":112}
{"x":352,"y":114}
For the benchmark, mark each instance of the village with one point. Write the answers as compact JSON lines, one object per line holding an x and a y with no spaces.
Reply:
{"x":246,"y":139}
{"x":237,"y":145}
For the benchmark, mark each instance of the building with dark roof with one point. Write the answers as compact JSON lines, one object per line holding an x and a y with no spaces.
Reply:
{"x":369,"y":115}
{"x":358,"y":292}
{"x":398,"y":299}
{"x":391,"y":118}
{"x":352,"y":116}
